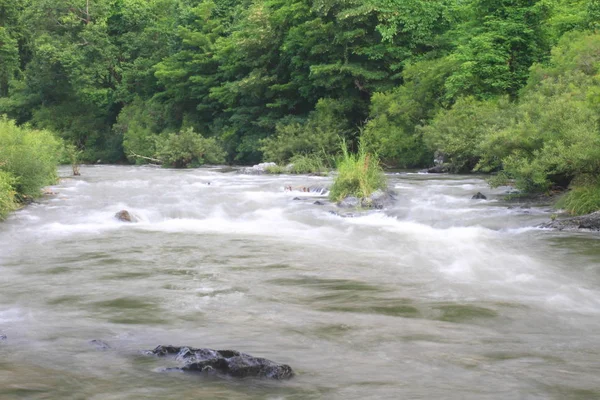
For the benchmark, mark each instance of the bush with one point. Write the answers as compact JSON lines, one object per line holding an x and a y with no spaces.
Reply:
{"x":554,"y":136}
{"x":459,"y":132}
{"x":139,"y":123}
{"x":309,"y":164}
{"x":584,"y":198}
{"x":30,"y":156}
{"x":321,"y":132}
{"x":359,"y":175}
{"x":7,"y":194}
{"x":394,"y":117}
{"x":188,"y":149}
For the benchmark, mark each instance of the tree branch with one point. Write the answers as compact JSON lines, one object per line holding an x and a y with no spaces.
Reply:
{"x":155,"y":160}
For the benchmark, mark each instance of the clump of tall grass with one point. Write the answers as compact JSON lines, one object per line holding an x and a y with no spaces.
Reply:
{"x":8,"y":202}
{"x":276,"y":169}
{"x":359,"y":175}
{"x":583,"y":198}
{"x":308,"y":164}
{"x":29,"y":156}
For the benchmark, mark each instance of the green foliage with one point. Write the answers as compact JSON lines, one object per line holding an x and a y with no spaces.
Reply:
{"x":358,"y":175}
{"x":139,"y":123}
{"x":274,"y":79}
{"x":458,"y":133}
{"x":321,"y":133}
{"x":554,"y":136}
{"x":30,"y":156}
{"x":497,"y":44}
{"x":584,"y":198}
{"x":8,"y":202}
{"x":188,"y":149}
{"x":276,"y":169}
{"x":72,"y":156}
{"x":310,"y":164}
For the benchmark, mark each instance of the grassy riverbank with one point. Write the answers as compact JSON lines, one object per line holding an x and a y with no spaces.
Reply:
{"x":28,"y":160}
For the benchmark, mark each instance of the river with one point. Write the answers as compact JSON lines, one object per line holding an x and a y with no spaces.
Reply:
{"x":437,"y":297}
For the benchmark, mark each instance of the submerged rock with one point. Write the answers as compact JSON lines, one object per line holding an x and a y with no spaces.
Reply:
{"x":3,"y":337}
{"x":125,"y":216}
{"x":479,"y":196}
{"x":99,"y":344}
{"x":318,"y":203}
{"x":226,"y":362}
{"x":587,"y":222}
{"x":344,"y":215}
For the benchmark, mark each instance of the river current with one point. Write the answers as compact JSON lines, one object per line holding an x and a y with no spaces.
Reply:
{"x":437,"y":297}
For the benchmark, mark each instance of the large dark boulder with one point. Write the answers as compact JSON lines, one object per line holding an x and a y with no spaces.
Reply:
{"x":226,"y":362}
{"x":479,"y":196}
{"x":588,"y":222}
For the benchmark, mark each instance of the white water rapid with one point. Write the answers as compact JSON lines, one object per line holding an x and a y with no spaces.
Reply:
{"x":437,"y":297}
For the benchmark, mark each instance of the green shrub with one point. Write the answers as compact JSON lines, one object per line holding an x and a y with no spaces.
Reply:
{"x":188,"y":149}
{"x":276,"y":170}
{"x":321,"y":132}
{"x":583,"y":198}
{"x":553,"y":136}
{"x":139,"y":124}
{"x":359,"y":175}
{"x":459,"y":132}
{"x":7,"y":194}
{"x":31,"y":156}
{"x":309,"y":164}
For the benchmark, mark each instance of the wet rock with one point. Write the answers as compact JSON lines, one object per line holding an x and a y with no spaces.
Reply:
{"x":349,"y":202}
{"x":344,"y":215}
{"x":318,"y":203}
{"x":226,"y":362}
{"x":257,"y":169}
{"x":297,"y":199}
{"x":479,"y":196}
{"x":125,"y":216}
{"x":585,"y":222}
{"x":378,"y":200}
{"x":3,"y":337}
{"x":99,"y":345}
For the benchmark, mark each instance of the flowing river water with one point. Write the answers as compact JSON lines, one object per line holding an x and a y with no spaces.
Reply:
{"x":437,"y":297}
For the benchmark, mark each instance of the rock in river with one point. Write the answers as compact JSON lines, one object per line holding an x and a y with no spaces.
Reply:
{"x":587,"y":222}
{"x":479,"y":196}
{"x":377,"y":200}
{"x":226,"y":362}
{"x":125,"y":216}
{"x":257,"y":169}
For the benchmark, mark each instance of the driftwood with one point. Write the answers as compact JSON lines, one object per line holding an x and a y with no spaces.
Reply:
{"x":154,"y":160}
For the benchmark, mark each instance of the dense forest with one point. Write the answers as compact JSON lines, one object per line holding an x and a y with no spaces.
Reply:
{"x":505,"y":86}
